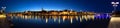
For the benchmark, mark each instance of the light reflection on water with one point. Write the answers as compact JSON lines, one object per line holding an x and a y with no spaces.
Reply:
{"x":56,"y":18}
{"x":76,"y":21}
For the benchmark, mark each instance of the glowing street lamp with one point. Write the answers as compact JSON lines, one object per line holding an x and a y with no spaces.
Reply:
{"x":115,"y":4}
{"x":3,"y":8}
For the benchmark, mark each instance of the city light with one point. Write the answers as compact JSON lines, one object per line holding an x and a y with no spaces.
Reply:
{"x":59,"y":14}
{"x":2,"y":16}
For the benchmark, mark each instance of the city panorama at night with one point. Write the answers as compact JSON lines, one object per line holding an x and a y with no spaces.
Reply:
{"x":59,"y":14}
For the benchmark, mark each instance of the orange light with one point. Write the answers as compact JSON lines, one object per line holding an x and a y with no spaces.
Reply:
{"x":2,"y":16}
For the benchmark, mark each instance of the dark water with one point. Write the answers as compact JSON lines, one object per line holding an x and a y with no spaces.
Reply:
{"x":84,"y":21}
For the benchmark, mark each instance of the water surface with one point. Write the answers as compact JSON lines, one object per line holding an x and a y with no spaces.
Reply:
{"x":84,"y":21}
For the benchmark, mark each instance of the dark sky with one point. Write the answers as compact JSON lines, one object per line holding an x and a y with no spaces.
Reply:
{"x":101,"y":6}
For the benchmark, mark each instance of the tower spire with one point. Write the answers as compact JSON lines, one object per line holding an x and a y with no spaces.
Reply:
{"x":42,"y":9}
{"x":71,"y":10}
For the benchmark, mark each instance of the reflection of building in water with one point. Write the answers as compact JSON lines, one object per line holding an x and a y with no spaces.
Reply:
{"x":59,"y":19}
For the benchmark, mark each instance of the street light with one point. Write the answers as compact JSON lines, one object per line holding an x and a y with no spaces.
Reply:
{"x":3,"y":9}
{"x":115,"y":4}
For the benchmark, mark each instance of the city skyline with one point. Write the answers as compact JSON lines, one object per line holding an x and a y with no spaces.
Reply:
{"x":101,"y":6}
{"x":59,"y":13}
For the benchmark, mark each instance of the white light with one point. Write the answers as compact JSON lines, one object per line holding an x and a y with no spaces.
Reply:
{"x":117,"y":2}
{"x":114,"y":2}
{"x":115,"y":5}
{"x":3,"y":7}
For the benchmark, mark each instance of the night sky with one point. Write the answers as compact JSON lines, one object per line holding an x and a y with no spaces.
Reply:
{"x":101,"y":6}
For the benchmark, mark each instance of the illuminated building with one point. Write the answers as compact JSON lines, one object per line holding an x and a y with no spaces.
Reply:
{"x":53,"y":12}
